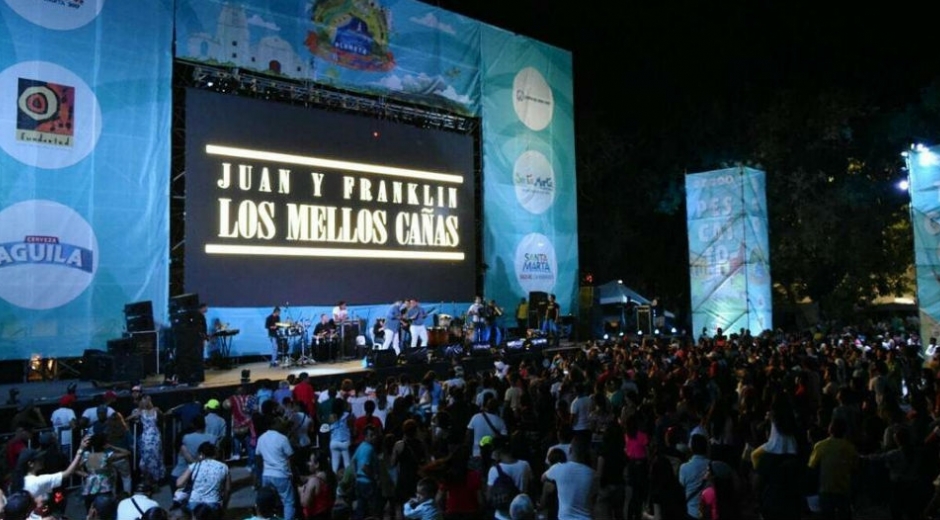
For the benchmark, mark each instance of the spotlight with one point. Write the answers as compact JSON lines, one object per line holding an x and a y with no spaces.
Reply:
{"x":656,"y":332}
{"x":673,"y":330}
{"x":639,"y":333}
{"x":621,"y":334}
{"x":606,"y":337}
{"x":904,"y":185}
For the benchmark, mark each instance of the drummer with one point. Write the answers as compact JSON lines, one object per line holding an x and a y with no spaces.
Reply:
{"x":324,"y":332}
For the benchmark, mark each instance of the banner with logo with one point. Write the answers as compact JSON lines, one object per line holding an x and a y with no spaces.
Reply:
{"x":924,"y":166}
{"x":729,"y":265}
{"x":405,"y":49}
{"x":530,"y":238}
{"x":84,"y":170}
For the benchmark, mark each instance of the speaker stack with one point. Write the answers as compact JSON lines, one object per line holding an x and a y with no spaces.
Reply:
{"x":128,"y":363}
{"x":97,"y":365}
{"x":186,"y":356}
{"x":138,"y":320}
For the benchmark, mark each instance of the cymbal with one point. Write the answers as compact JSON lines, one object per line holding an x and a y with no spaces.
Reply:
{"x":283,"y":324}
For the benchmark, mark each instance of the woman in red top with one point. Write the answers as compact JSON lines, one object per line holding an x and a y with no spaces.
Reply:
{"x":318,"y":492}
{"x":461,"y":489}
{"x":366,"y":420}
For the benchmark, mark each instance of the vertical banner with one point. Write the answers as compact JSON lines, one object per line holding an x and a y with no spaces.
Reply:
{"x":84,"y":170}
{"x":729,"y":266}
{"x":924,"y":166}
{"x":530,"y":237}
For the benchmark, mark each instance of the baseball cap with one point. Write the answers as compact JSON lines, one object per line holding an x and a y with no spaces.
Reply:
{"x":136,"y":388}
{"x":67,"y":399}
{"x":486,"y":440}
{"x":213,"y":404}
{"x":110,"y":395}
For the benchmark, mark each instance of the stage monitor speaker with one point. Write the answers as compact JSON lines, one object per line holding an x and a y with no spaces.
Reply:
{"x":417,"y":356}
{"x":145,"y":344}
{"x":644,"y":319}
{"x":384,"y":358}
{"x":538,"y":302}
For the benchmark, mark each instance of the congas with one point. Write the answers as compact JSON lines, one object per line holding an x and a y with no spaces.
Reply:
{"x":437,"y":336}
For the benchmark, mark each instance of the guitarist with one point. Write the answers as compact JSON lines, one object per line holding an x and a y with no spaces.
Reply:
{"x":325,"y":332}
{"x":415,"y":315}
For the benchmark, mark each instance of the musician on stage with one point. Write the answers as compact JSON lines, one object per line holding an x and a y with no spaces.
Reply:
{"x":393,"y":327}
{"x":476,"y":315}
{"x":340,"y":314}
{"x":325,"y":332}
{"x":493,"y":314}
{"x":417,"y":316}
{"x":551,"y":318}
{"x":270,"y":323}
{"x":522,"y":317}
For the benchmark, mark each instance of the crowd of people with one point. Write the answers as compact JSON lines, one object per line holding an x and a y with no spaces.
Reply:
{"x":724,"y":427}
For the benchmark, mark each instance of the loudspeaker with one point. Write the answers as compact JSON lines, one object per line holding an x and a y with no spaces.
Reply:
{"x":384,"y":358}
{"x":189,"y":356}
{"x":145,"y":344}
{"x":128,"y":367}
{"x":97,"y":366}
{"x":138,"y":316}
{"x":417,"y":356}
{"x":121,"y":347}
{"x":538,"y":302}
{"x":480,"y":349}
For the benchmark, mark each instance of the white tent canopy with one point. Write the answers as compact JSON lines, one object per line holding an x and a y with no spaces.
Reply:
{"x":616,"y":292}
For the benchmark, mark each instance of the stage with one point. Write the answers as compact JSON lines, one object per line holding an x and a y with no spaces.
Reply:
{"x":221,"y":383}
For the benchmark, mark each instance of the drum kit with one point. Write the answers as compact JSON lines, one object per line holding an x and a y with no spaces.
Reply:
{"x":290,"y":336}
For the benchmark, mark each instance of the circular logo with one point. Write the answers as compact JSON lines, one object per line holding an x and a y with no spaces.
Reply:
{"x":59,"y":15}
{"x":534,"y":179}
{"x":48,"y":254}
{"x":532,"y":99}
{"x":56,"y":120}
{"x":535,"y":263}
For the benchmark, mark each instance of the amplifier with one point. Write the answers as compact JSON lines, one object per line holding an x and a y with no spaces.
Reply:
{"x":384,"y":358}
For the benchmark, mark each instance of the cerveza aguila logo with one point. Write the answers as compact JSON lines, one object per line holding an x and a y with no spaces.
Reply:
{"x":45,"y":112}
{"x":35,"y":249}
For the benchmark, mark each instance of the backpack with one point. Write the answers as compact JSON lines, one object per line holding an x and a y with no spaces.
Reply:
{"x":503,"y":490}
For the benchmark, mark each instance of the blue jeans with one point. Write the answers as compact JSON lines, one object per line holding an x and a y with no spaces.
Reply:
{"x":550,"y":327}
{"x":367,"y":500}
{"x":216,"y":508}
{"x":285,"y":490}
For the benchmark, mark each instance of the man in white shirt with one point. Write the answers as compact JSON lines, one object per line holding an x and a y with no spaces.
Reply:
{"x":90,"y":415}
{"x":134,"y":506}
{"x":478,"y":427}
{"x":215,"y":424}
{"x":580,"y":412}
{"x":340,"y":313}
{"x":274,"y":450}
{"x":574,"y":481}
{"x":64,"y":420}
{"x":518,"y":470}
{"x":475,"y":315}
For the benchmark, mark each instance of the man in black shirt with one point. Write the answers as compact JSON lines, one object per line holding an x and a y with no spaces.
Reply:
{"x":325,"y":337}
{"x":270,"y":323}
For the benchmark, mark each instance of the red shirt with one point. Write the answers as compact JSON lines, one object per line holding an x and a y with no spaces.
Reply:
{"x":304,"y":393}
{"x":360,"y":426}
{"x":13,"y":451}
{"x":462,"y":498}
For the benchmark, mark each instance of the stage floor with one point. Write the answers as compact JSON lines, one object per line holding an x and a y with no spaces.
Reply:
{"x":43,"y":393}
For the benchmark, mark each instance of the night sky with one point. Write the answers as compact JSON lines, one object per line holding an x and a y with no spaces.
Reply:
{"x":680,"y":85}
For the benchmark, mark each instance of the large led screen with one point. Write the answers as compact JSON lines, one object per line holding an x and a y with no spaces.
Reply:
{"x":293,"y":204}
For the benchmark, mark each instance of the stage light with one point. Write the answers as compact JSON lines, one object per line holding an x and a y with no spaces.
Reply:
{"x":621,"y":334}
{"x":639,"y":333}
{"x":904,"y":185}
{"x":673,"y":330}
{"x":656,"y":332}
{"x":606,"y":337}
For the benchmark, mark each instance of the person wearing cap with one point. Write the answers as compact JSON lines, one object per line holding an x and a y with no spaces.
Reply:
{"x":28,"y":414}
{"x":64,"y":419}
{"x":38,"y":483}
{"x":134,"y":506}
{"x":215,"y":424}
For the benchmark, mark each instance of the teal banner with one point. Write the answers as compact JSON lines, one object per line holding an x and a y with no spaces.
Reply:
{"x":924,"y":167}
{"x":729,"y":265}
{"x":404,"y":49}
{"x":530,"y":238}
{"x":84,"y":170}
